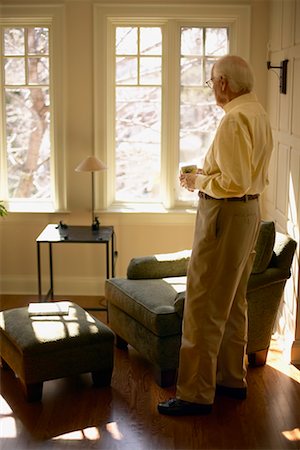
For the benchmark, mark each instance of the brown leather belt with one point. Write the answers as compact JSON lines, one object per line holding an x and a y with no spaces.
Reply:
{"x":245,"y":198}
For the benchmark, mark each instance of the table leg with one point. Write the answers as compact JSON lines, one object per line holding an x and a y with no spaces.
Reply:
{"x":51,"y":292}
{"x":107,"y":260}
{"x":113,"y":254}
{"x":39,"y":270}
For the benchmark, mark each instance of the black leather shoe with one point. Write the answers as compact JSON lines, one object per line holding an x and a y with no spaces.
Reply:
{"x":177,"y":407}
{"x":238,"y":393}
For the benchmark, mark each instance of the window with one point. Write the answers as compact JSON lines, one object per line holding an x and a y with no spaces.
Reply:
{"x":32,"y":168}
{"x":27,"y":112}
{"x":143,"y":86}
{"x":153,"y":110}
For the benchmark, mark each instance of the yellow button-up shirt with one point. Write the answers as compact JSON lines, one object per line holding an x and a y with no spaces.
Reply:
{"x":237,"y":161}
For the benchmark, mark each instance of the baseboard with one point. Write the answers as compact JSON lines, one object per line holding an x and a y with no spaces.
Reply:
{"x":93,"y":286}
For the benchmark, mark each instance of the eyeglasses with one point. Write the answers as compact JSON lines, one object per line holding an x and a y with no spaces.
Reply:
{"x":210,"y":83}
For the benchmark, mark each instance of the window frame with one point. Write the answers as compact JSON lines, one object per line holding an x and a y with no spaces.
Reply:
{"x":236,"y":19}
{"x":51,"y":17}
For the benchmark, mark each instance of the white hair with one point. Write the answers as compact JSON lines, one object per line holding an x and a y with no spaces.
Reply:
{"x":236,"y":71}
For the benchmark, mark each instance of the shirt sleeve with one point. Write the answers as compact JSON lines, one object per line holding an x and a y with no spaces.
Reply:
{"x":227,"y":168}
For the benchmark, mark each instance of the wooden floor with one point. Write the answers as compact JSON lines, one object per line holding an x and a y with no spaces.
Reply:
{"x":75,"y":415}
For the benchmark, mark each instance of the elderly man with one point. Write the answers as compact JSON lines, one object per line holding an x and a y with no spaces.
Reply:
{"x":214,"y":334}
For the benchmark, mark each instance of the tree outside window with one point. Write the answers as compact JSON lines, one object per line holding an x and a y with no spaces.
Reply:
{"x":140,"y":87}
{"x":138,"y":113}
{"x":27,"y":114}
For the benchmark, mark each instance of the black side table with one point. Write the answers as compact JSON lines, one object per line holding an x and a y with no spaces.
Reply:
{"x":53,"y":234}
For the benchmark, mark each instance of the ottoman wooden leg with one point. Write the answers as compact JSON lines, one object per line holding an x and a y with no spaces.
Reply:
{"x":258,"y":358}
{"x":33,"y":391}
{"x":102,"y":378}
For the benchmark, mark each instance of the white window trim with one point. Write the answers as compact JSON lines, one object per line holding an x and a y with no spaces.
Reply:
{"x":237,"y":18}
{"x":53,"y":17}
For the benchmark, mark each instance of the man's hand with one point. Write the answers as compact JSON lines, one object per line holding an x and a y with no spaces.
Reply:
{"x":187,"y":180}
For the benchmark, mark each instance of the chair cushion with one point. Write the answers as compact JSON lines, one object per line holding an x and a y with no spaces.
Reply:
{"x":264,"y":247}
{"x":150,"y":302}
{"x":159,"y":266}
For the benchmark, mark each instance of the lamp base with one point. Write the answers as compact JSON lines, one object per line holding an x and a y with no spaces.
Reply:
{"x":95,"y":224}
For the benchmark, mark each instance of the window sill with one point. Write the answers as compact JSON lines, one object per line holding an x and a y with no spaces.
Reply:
{"x":153,"y":208}
{"x":33,"y":206}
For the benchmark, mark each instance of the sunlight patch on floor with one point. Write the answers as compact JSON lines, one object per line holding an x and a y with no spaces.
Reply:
{"x":279,"y":359}
{"x":8,"y":427}
{"x":292,"y":435}
{"x":89,"y":434}
{"x":114,"y":431}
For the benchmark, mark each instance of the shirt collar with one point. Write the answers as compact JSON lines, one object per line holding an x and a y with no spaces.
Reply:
{"x":245,"y":98}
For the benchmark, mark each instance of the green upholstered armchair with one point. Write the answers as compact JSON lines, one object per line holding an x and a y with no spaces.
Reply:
{"x":146,"y":308}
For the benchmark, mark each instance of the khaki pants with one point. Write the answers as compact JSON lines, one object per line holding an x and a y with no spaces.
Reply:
{"x":214,"y":334}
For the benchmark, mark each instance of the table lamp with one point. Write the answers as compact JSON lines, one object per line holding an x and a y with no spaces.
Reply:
{"x":92,"y":164}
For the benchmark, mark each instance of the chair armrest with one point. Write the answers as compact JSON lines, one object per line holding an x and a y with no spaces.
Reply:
{"x":159,"y":266}
{"x":284,"y":250}
{"x":270,"y":276}
{"x":280,"y":265}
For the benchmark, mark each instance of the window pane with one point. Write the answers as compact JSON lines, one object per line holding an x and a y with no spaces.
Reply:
{"x":150,"y":70}
{"x":126,"y":41}
{"x":138,"y":125}
{"x":38,"y":41}
{"x":14,"y":41}
{"x":216,"y":42}
{"x":198,"y":121}
{"x":126,"y":70}
{"x":15,"y":70}
{"x":209,"y":62}
{"x":38,"y":70}
{"x":28,"y":142}
{"x":138,"y":114}
{"x":191,"y":71}
{"x":192,"y":41}
{"x":150,"y":41}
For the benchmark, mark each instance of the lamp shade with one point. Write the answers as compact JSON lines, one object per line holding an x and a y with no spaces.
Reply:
{"x":91,"y":164}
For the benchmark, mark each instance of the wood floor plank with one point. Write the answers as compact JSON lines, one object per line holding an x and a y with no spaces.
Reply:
{"x":74,"y":414}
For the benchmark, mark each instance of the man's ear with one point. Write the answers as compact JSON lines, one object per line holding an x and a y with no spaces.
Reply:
{"x":223,"y":83}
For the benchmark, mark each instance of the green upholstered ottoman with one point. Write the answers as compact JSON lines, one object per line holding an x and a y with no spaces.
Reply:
{"x":45,"y":347}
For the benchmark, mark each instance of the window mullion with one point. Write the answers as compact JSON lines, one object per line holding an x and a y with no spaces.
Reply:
{"x":170,"y":115}
{"x":110,"y":116}
{"x":26,"y":58}
{"x":3,"y":159}
{"x":138,"y":56}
